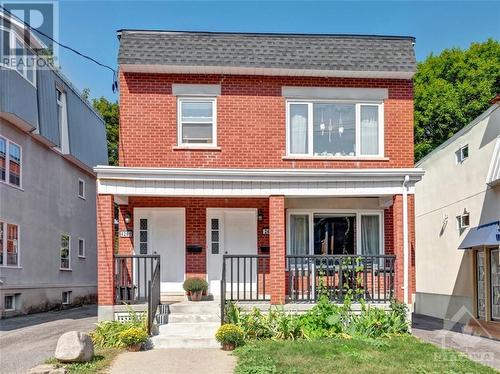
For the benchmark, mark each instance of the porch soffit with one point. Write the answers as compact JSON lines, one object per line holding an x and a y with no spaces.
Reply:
{"x":253,"y":182}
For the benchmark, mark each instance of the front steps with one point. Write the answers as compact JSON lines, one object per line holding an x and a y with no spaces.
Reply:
{"x":187,"y":324}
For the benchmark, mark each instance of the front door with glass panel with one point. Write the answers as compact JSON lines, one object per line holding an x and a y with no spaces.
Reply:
{"x":162,"y":231}
{"x":234,"y":232}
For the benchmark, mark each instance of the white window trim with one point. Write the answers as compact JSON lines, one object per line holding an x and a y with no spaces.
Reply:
{"x":63,"y":127}
{"x":13,"y":36}
{"x":460,"y":221}
{"x":352,"y":212}
{"x":7,"y":163}
{"x":4,"y":265}
{"x":69,"y":252}
{"x":83,"y":182}
{"x":182,"y":99}
{"x":459,"y":154}
{"x":78,"y":248}
{"x":310,"y":145}
{"x":13,"y":303}
{"x":68,"y":297}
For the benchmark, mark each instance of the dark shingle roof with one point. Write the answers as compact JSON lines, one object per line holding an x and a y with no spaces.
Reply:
{"x":278,"y":51}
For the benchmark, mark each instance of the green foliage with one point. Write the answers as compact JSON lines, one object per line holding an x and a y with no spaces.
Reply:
{"x":451,"y":89}
{"x":195,"y":285}
{"x":133,"y":335}
{"x":324,"y":320}
{"x":108,"y":333}
{"x":229,"y":334}
{"x":101,"y":361}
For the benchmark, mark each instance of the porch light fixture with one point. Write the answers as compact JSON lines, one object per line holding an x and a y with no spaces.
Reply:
{"x":127,"y":218}
{"x":260,"y":215}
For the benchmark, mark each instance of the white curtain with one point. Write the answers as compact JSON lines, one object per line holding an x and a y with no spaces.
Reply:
{"x":370,"y":235}
{"x":369,"y":130}
{"x":299,"y":234}
{"x":298,"y":129}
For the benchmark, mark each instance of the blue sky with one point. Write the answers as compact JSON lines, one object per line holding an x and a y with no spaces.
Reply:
{"x":90,"y":26}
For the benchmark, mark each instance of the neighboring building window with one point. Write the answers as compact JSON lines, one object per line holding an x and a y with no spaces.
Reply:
{"x":81,"y":247}
{"x":215,"y":235}
{"x":143,"y":236}
{"x":335,"y":129}
{"x":462,"y":154}
{"x":14,"y":164}
{"x":81,"y":188}
{"x":9,"y":240}
{"x":463,"y":221}
{"x":62,"y":119}
{"x":65,"y":251}
{"x":10,"y":162}
{"x":16,"y":55}
{"x":197,"y":121}
{"x":3,"y":159}
{"x":66,"y":297}
{"x":495,"y":284}
{"x":9,"y":303}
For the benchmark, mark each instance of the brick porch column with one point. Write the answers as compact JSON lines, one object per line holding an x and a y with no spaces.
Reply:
{"x":277,"y":248}
{"x":105,"y":261}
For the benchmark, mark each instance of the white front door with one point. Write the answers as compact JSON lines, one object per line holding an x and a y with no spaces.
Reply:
{"x":162,"y":231}
{"x":231,"y":231}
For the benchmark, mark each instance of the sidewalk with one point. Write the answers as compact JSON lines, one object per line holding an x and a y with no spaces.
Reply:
{"x":175,"y":361}
{"x":483,"y":350}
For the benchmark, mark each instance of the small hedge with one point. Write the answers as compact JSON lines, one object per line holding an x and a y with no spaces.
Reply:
{"x":229,"y":334}
{"x":195,"y":285}
{"x":111,"y":334}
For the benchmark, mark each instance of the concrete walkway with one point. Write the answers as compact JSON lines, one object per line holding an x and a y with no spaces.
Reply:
{"x":447,"y":335}
{"x":28,"y":340}
{"x":175,"y":361}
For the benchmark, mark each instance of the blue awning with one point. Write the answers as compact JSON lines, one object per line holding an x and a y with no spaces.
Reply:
{"x":484,"y":235}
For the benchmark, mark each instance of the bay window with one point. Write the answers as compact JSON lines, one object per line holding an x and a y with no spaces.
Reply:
{"x":334,"y":129}
{"x":197,"y":122}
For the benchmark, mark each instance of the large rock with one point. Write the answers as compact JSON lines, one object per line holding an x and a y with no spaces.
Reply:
{"x":74,"y":346}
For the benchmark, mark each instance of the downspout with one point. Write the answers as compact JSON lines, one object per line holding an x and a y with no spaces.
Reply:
{"x":405,"y":240}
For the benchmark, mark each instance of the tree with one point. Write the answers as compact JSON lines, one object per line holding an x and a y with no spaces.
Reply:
{"x":110,"y":113}
{"x":451,"y":89}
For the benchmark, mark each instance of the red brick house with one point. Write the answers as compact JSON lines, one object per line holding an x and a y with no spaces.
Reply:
{"x":276,"y":166}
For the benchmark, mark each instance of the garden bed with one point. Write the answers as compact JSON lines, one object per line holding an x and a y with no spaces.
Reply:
{"x":398,"y":354}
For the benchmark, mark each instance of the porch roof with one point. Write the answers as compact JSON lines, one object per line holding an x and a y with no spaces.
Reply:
{"x":254,"y":182}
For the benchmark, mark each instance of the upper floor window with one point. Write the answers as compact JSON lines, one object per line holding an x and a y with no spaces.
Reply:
{"x":325,"y":128}
{"x":462,"y":154}
{"x":81,"y":188}
{"x":9,"y":238}
{"x":62,"y":119}
{"x":197,"y":122}
{"x":10,"y":162}
{"x":65,"y":252}
{"x":16,"y":55}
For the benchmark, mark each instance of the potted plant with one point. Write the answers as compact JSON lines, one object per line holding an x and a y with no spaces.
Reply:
{"x":195,"y":288}
{"x":230,"y":336}
{"x":133,"y":338}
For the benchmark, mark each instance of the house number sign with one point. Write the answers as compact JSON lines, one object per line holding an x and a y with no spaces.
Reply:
{"x":126,"y":234}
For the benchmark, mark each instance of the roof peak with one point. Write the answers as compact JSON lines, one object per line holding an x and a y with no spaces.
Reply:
{"x":277,"y":34}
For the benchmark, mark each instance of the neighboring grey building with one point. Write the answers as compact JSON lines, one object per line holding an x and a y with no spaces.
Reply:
{"x":50,"y":138}
{"x":457,"y":225}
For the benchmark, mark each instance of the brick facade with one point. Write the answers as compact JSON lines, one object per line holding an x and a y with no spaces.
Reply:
{"x":105,"y":250}
{"x":278,"y":248}
{"x":250,"y":122}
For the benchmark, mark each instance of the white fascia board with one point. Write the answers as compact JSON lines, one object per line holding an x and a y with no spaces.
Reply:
{"x":242,"y":70}
{"x":262,"y":175}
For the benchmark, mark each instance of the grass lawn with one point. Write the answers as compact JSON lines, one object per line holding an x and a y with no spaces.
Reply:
{"x":103,"y":357}
{"x":403,"y":354}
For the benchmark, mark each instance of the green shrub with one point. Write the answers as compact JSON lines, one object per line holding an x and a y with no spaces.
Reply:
{"x":195,"y":285}
{"x":229,"y":334}
{"x":107,"y":333}
{"x":133,"y":335}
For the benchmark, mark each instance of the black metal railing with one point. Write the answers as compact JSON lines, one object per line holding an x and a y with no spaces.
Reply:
{"x":244,"y":278}
{"x":370,"y":278}
{"x":132,"y":276}
{"x":154,"y":296}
